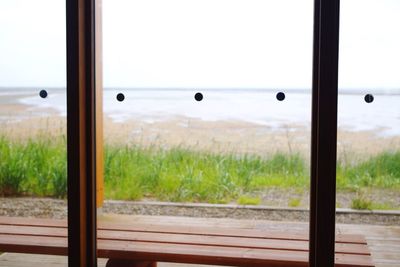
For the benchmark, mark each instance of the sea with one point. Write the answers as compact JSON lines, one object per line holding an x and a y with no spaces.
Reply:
{"x":259,"y":106}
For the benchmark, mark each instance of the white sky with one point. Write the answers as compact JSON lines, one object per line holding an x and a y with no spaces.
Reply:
{"x":203,"y":43}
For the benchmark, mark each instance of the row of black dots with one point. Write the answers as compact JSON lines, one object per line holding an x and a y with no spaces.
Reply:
{"x":369,"y":98}
{"x":199,"y":96}
{"x":279,"y":96}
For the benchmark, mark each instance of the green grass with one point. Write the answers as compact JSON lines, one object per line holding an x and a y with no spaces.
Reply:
{"x":361,"y":203}
{"x":294,"y":202}
{"x":364,"y":203}
{"x":183,"y":175}
{"x":34,"y":167}
{"x":384,"y":206}
{"x":381,"y":171}
{"x":246,"y":200}
{"x":38,"y":167}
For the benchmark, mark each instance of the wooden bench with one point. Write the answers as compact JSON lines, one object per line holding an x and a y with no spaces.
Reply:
{"x":143,"y":245}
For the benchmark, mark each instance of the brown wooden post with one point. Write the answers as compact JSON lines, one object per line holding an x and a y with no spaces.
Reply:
{"x":314,"y":132}
{"x":99,"y":106}
{"x":324,"y":133}
{"x":81,"y":132}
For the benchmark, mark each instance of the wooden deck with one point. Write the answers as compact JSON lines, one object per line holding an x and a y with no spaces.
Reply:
{"x":384,"y":241}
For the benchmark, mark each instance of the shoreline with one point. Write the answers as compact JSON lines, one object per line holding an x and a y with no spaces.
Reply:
{"x":21,"y":121}
{"x":235,"y":137}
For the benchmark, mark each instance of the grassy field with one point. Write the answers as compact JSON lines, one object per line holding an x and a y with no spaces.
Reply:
{"x":38,"y":167}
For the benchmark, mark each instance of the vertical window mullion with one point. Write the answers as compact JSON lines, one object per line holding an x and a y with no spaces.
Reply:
{"x":81,"y":136}
{"x":324,"y":133}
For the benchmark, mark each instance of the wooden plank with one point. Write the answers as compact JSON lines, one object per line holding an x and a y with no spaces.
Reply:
{"x":159,"y":252}
{"x":346,"y":260}
{"x":186,"y":239}
{"x":192,"y":230}
{"x":281,"y":244}
{"x":173,"y":247}
{"x":221,"y":231}
{"x":380,"y":238}
{"x":225,"y":256}
{"x":33,"y":244}
{"x":174,"y":252}
{"x":32,"y":221}
{"x":24,"y":260}
{"x":201,"y":254}
{"x":33,"y":230}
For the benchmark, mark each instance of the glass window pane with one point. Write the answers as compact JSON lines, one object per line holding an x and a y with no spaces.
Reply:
{"x":369,"y":93}
{"x":368,"y":176}
{"x":33,"y":174}
{"x":207,"y":102}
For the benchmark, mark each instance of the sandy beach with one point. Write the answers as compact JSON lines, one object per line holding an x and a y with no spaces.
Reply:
{"x":226,"y":136}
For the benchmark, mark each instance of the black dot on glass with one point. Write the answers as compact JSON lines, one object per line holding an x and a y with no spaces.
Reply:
{"x":369,"y":98}
{"x":198,"y":96}
{"x":120,"y":97}
{"x":43,"y":93}
{"x":280,"y":96}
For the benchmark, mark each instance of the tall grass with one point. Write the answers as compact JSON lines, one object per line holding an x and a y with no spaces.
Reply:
{"x":381,"y":171}
{"x":38,"y":167}
{"x":35,"y":167}
{"x":183,"y":175}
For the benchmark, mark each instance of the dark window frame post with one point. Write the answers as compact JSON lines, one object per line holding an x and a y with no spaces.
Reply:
{"x":324,"y":133}
{"x":81,"y":132}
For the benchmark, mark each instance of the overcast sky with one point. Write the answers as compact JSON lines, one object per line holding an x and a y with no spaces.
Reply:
{"x":203,"y":43}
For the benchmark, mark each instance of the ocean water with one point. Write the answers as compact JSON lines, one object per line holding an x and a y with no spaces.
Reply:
{"x":254,"y":106}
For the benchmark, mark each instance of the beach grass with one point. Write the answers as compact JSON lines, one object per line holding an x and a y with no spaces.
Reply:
{"x":37,"y":167}
{"x":180,"y":174}
{"x":248,"y":200}
{"x":382,"y":170}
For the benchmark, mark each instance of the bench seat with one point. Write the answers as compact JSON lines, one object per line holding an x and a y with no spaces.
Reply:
{"x":183,"y":244}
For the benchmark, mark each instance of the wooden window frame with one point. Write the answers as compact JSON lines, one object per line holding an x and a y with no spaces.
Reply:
{"x":324,"y":133}
{"x":84,"y":130}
